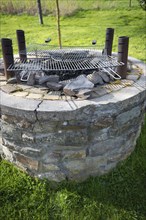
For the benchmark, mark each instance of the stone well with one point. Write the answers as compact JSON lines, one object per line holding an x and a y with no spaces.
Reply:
{"x":72,"y":139}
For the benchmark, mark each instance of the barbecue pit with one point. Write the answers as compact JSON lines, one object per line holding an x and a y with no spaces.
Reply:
{"x":63,"y":137}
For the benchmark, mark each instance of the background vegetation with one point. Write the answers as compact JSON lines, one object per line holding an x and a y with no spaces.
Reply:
{"x":81,"y":26}
{"x":119,"y":195}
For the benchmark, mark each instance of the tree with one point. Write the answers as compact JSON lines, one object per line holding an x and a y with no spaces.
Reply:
{"x":40,"y":11}
{"x":130,"y":3}
{"x":58,"y":23}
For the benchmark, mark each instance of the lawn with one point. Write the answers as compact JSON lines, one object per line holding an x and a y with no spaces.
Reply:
{"x":119,"y":195}
{"x":81,"y":28}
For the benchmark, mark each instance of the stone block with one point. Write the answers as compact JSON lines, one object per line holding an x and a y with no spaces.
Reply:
{"x":53,"y":95}
{"x":75,"y":166}
{"x":94,"y":164}
{"x":62,"y":137}
{"x":25,"y":161}
{"x":74,"y":154}
{"x":95,"y":78}
{"x":28,"y":137}
{"x":31,"y":79}
{"x":132,"y":77}
{"x":7,"y":153}
{"x":10,"y":132}
{"x":54,"y":86}
{"x":10,"y":88}
{"x":31,"y":152}
{"x":12,"y":80}
{"x":128,"y":115}
{"x":21,"y":94}
{"x":45,"y":126}
{"x":83,"y":93}
{"x":34,"y":96}
{"x":16,"y":121}
{"x":103,"y":122}
{"x":104,"y":76}
{"x":49,"y":167}
{"x":50,"y":78}
{"x":52,"y":157}
{"x":99,"y":135}
{"x":81,"y":82}
{"x":103,"y":147}
{"x":56,"y":176}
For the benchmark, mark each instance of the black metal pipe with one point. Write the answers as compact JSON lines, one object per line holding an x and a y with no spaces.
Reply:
{"x":123,"y":44}
{"x":8,"y":58}
{"x":109,"y":41}
{"x":21,"y":44}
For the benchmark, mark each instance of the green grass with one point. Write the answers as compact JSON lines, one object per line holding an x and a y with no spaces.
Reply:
{"x":119,"y":195}
{"x":81,"y":28}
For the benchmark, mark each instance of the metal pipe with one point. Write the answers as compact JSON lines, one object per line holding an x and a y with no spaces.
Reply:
{"x":123,"y":43}
{"x":7,"y":51}
{"x":21,"y":44}
{"x":109,"y":41}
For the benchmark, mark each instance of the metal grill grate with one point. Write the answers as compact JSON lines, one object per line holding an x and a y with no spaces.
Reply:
{"x":66,"y":60}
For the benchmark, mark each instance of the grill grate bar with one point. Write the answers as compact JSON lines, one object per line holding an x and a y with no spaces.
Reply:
{"x":49,"y":64}
{"x":61,"y":61}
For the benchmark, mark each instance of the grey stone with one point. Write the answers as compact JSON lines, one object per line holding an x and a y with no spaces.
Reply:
{"x":50,"y":78}
{"x":10,"y":88}
{"x":95,"y":78}
{"x":132,"y":77}
{"x":74,"y":154}
{"x":49,"y":167}
{"x":10,"y":132}
{"x":7,"y":153}
{"x":12,"y":80}
{"x":75,"y":166}
{"x":54,"y":86}
{"x":83,"y":93}
{"x":25,"y":161}
{"x":28,"y":137}
{"x":128,"y":115}
{"x":65,"y":82}
{"x":104,"y":76}
{"x":81,"y":82}
{"x":56,"y":176}
{"x":31,"y":79}
{"x":53,"y":95}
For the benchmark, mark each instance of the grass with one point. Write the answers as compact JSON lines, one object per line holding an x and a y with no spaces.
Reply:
{"x":119,"y":195}
{"x":67,"y":7}
{"x":81,"y":28}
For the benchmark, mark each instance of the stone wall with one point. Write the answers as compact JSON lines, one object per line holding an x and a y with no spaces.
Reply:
{"x":62,"y":140}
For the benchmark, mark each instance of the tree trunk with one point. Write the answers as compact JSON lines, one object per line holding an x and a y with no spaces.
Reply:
{"x":130,"y":3}
{"x":40,"y":12}
{"x":58,"y":23}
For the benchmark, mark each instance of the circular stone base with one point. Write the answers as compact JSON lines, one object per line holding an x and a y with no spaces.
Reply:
{"x":72,"y":139}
